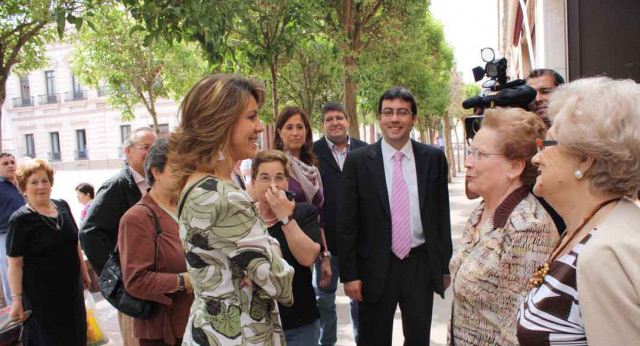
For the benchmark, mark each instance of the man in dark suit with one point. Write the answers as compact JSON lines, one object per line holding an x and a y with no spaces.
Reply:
{"x":331,"y":151}
{"x":394,"y":231}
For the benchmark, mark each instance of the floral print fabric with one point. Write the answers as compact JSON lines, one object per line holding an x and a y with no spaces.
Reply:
{"x":224,"y":239}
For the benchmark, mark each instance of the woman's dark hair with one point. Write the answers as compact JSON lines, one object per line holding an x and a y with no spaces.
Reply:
{"x":86,"y":188}
{"x":156,"y":158}
{"x":306,"y":154}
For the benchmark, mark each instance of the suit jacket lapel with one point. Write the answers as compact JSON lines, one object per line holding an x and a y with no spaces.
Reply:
{"x":375,"y":165}
{"x":325,"y":152}
{"x":422,"y":172}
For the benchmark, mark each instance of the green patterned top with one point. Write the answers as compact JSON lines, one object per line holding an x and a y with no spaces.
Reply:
{"x":223,"y":238}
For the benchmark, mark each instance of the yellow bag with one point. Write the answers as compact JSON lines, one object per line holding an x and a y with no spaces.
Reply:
{"x":95,"y":337}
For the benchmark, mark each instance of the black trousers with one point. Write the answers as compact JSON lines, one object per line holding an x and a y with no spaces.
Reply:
{"x":407,"y":285}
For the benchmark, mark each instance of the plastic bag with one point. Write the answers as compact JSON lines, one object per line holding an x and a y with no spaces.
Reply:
{"x":95,"y":336}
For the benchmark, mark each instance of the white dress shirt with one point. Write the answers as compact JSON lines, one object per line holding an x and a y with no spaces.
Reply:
{"x":411,"y":179}
{"x":339,"y":155}
{"x":141,"y":181}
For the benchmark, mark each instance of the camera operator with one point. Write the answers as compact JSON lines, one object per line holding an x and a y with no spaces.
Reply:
{"x":545,"y":82}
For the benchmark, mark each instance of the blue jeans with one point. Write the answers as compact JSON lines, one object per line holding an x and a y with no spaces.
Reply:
{"x":327,"y":305}
{"x":303,"y":336}
{"x":4,"y":266}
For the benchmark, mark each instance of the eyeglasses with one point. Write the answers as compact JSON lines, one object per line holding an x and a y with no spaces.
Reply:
{"x":543,"y":143}
{"x":265,"y":179}
{"x":142,"y":147}
{"x":401,"y":112}
{"x":478,"y":155}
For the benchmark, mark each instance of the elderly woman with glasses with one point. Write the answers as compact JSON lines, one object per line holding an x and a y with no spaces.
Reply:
{"x":295,"y":226}
{"x":506,"y":236}
{"x":588,"y":290}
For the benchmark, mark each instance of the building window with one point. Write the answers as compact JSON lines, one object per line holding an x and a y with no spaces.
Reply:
{"x":82,"y":153}
{"x":25,"y":91}
{"x":125,"y":130}
{"x":77,"y":93}
{"x":50,"y":82}
{"x":163,"y":130}
{"x":31,"y":148}
{"x":54,"y":155}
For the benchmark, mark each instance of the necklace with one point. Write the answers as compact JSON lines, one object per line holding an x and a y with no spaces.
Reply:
{"x":57,"y":225}
{"x":541,"y":270}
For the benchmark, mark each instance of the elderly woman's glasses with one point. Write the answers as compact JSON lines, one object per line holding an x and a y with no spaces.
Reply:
{"x":478,"y":155}
{"x":265,"y":179}
{"x":543,"y":143}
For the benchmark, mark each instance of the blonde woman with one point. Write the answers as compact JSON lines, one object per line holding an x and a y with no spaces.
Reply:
{"x":236,"y":268}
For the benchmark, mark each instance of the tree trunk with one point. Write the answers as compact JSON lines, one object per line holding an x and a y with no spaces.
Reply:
{"x":372,"y":133}
{"x":3,"y":96}
{"x":455,"y":131}
{"x":270,"y":129}
{"x":350,"y":92}
{"x":447,"y":145}
{"x":432,"y":134}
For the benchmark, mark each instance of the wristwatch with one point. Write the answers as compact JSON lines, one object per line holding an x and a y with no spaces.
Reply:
{"x":182,"y":287}
{"x":326,"y":254}
{"x":286,"y":220}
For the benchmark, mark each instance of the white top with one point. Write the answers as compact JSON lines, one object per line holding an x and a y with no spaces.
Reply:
{"x":339,"y":155}
{"x":142,"y":183}
{"x":411,"y":179}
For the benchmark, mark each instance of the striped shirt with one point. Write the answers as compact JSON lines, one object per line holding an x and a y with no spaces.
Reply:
{"x":550,"y":315}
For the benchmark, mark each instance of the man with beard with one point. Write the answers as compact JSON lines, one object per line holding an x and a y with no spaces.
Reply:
{"x":545,"y":81}
{"x":331,"y":151}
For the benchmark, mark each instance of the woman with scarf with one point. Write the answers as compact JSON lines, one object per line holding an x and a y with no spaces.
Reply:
{"x":293,"y":136}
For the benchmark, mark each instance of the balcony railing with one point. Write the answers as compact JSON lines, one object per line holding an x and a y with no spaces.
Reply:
{"x":77,"y":95}
{"x":31,"y":155}
{"x":48,"y":99}
{"x":81,"y":154}
{"x":54,"y":156}
{"x":23,"y":102}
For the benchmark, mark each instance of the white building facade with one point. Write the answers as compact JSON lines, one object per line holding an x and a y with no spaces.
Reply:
{"x":49,"y":114}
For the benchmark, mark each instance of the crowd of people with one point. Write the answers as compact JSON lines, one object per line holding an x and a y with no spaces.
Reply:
{"x":549,"y":255}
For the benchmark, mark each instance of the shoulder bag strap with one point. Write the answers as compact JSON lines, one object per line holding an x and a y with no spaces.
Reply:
{"x":156,"y":223}
{"x":186,"y":194}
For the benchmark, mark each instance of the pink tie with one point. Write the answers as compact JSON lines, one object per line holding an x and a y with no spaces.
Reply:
{"x":400,"y":221}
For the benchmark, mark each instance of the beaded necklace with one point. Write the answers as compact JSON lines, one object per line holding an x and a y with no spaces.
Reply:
{"x":57,"y":225}
{"x":541,"y":270}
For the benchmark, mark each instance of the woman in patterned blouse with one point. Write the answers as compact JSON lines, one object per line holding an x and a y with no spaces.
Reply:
{"x":589,"y":168}
{"x":236,"y":268}
{"x":507,"y":235}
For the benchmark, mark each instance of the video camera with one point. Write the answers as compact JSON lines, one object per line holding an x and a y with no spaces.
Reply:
{"x":505,"y":94}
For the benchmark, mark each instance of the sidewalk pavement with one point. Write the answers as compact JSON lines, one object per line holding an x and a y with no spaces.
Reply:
{"x":461,"y":208}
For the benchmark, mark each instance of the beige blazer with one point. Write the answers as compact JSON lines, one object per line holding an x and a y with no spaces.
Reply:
{"x":609,"y":279}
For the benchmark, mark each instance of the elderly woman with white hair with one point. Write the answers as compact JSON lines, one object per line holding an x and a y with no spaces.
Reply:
{"x":589,"y":170}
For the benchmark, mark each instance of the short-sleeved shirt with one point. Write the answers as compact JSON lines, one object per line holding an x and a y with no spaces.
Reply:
{"x":10,"y":200}
{"x":304,"y":309}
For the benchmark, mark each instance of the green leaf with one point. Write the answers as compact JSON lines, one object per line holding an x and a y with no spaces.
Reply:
{"x":60,"y":20}
{"x":136,"y":28}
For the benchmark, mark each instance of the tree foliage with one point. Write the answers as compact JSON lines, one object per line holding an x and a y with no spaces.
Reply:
{"x":133,"y":66}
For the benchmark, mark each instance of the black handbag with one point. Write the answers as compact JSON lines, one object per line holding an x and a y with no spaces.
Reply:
{"x":112,"y":285}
